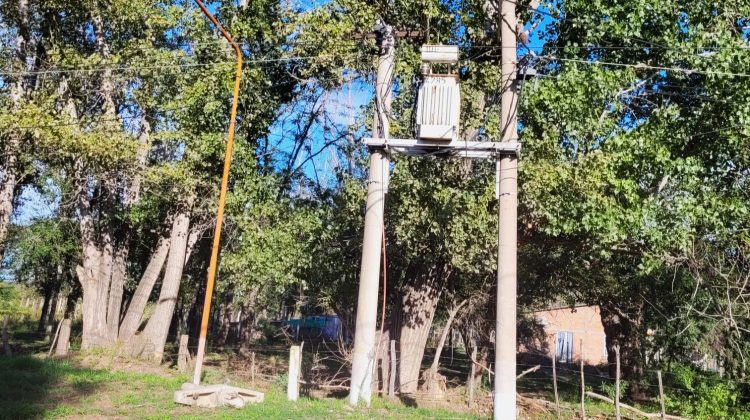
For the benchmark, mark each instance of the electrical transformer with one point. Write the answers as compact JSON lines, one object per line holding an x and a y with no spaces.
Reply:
{"x":439,"y":97}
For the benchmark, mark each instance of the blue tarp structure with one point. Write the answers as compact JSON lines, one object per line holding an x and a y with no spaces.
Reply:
{"x":322,"y":327}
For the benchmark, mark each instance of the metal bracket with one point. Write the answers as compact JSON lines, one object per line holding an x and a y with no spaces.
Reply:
{"x":456,"y":148}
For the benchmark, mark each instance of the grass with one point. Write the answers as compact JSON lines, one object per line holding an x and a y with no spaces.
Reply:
{"x":35,"y":387}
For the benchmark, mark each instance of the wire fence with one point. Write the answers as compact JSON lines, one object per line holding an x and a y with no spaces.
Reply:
{"x":325,"y":367}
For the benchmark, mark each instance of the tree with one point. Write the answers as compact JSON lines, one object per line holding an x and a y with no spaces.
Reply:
{"x":628,"y":165}
{"x":10,"y":307}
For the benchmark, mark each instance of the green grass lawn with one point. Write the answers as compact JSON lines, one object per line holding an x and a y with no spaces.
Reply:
{"x":34,"y":387}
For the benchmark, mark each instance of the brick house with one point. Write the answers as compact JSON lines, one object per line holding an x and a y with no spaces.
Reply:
{"x":564,"y":328}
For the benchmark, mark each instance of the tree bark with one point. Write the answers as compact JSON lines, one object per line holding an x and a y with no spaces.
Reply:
{"x":222,"y":336}
{"x":44,"y":315}
{"x":452,"y":312}
{"x":433,"y":382}
{"x":475,"y":344}
{"x":9,"y":163}
{"x":53,"y":307}
{"x":107,"y":87}
{"x":122,"y":248}
{"x":622,"y":328}
{"x":94,"y":311}
{"x":63,"y":339}
{"x":416,"y":312}
{"x":106,"y":265}
{"x":116,"y":287}
{"x":247,"y":321}
{"x":154,"y":336}
{"x":134,"y":315}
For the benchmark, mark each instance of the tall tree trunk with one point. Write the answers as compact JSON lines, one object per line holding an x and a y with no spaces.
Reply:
{"x":622,"y":328}
{"x":133,"y":318}
{"x":53,"y":307}
{"x":416,"y":312}
{"x":63,"y":339}
{"x":452,"y":312}
{"x":116,"y":287}
{"x":51,"y":292}
{"x":8,"y":173}
{"x":107,"y":84}
{"x":134,"y":315}
{"x":9,"y":158}
{"x":45,"y":309}
{"x":94,"y":310}
{"x":247,"y":321}
{"x":106,"y":263}
{"x":225,"y":323}
{"x":113,"y":253}
{"x":122,"y":248}
{"x":434,"y":382}
{"x":154,"y":336}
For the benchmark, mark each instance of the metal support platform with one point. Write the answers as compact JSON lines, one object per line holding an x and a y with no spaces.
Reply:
{"x":457,"y":148}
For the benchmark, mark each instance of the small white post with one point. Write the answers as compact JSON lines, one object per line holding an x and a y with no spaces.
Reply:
{"x":392,"y":376}
{"x":553,"y":355}
{"x":292,"y":388}
{"x":663,"y":412}
{"x":617,"y":382}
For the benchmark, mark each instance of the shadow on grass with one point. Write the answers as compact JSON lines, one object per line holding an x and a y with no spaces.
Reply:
{"x":33,"y":386}
{"x":408,"y":400}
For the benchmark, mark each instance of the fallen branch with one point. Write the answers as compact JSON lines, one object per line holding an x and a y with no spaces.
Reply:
{"x":481,"y":365}
{"x":633,"y":409}
{"x":324,"y":386}
{"x":529,"y":370}
{"x":491,"y":372}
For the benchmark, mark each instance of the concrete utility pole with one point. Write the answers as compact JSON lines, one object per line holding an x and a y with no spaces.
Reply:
{"x":363,"y":358}
{"x":507,"y":177}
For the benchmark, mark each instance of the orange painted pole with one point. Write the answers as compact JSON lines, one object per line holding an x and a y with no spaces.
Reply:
{"x":222,"y":198}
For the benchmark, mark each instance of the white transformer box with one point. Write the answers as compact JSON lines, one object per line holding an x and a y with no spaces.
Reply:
{"x":439,"y":96}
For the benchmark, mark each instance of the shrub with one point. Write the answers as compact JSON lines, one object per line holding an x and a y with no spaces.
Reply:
{"x":703,"y":395}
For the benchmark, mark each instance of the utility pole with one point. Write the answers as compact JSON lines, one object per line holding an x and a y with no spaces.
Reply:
{"x":507,"y":177}
{"x":363,"y":358}
{"x":214,"y":261}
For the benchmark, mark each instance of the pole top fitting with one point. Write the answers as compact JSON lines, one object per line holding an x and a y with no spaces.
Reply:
{"x":383,"y":36}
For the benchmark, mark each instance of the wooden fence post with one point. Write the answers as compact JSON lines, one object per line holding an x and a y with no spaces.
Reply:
{"x":661,"y":395}
{"x":252,"y":368}
{"x":583,"y":387}
{"x":292,"y":387}
{"x":54,"y":340}
{"x":6,"y":340}
{"x":392,"y":377}
{"x":182,"y":354}
{"x":472,"y":374}
{"x":617,"y":381}
{"x":553,"y":354}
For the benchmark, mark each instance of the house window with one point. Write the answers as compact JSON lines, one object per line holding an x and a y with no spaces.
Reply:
{"x":564,"y":347}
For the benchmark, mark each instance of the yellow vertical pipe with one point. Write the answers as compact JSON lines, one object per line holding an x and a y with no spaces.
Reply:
{"x":222,"y":198}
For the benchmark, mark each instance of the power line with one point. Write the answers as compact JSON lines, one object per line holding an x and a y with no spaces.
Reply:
{"x":615,"y":47}
{"x":649,"y":67}
{"x":129,"y":68}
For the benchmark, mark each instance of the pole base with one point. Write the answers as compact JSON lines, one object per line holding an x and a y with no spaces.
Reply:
{"x":212,"y":396}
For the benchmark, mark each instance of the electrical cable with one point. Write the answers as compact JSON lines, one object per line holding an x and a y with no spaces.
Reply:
{"x":646,"y":66}
{"x":166,"y":66}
